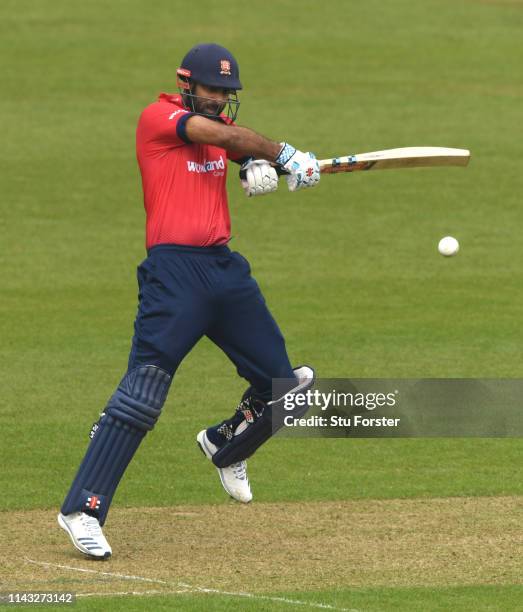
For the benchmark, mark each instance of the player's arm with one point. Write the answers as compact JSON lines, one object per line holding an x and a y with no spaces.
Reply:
{"x":302,"y":168}
{"x":241,"y":140}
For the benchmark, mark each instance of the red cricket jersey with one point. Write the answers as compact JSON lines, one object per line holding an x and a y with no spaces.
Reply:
{"x":183,"y":182}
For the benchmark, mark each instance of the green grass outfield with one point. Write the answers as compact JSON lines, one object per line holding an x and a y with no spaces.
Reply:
{"x":411,"y":600}
{"x":350,"y":269}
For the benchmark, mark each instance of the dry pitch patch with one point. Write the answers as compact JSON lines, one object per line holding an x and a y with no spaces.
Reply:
{"x":276,"y":547}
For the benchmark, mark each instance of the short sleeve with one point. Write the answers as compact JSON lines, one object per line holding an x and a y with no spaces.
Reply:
{"x":164,"y":127}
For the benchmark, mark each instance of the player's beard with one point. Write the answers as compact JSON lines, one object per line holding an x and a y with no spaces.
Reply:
{"x":208,"y":106}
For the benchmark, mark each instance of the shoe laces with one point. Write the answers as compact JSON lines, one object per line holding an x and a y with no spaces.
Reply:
{"x":240,"y":470}
{"x":92,"y":526}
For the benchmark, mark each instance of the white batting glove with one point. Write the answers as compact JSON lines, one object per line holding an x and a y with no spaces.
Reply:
{"x":303,"y":168}
{"x":258,"y":177}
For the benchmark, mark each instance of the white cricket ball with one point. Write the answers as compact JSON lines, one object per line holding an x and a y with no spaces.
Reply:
{"x":448,"y":246}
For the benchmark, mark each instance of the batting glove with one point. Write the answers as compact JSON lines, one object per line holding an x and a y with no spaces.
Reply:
{"x":258,"y":177}
{"x":303,"y":168}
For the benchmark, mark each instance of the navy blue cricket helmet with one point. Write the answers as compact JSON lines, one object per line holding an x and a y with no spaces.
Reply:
{"x":210,"y":65}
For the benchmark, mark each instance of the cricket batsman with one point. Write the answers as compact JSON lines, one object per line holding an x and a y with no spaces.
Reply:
{"x":192,"y":285}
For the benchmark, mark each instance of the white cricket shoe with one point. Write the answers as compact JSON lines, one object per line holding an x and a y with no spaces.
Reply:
{"x":86,"y":534}
{"x":234,"y":477}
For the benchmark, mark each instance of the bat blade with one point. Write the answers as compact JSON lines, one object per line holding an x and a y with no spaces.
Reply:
{"x":407,"y":157}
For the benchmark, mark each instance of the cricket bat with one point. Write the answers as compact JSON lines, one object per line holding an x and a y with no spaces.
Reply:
{"x":407,"y":157}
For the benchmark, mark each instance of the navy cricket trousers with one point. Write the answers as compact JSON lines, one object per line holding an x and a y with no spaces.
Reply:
{"x":189,"y":292}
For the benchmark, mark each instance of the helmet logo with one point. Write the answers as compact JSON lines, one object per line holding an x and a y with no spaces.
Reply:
{"x":225,"y":67}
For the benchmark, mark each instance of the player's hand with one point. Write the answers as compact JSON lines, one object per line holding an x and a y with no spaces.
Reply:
{"x":258,"y":177}
{"x":303,"y":168}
